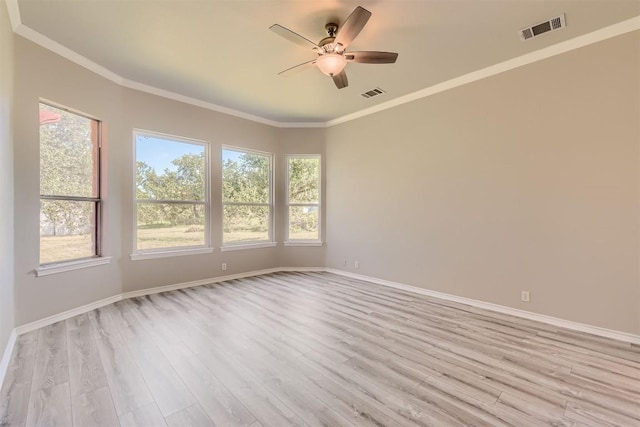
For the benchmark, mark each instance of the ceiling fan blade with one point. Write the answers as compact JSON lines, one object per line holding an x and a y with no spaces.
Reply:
{"x":352,"y":26}
{"x":372,"y":57}
{"x":297,"y":68}
{"x":292,"y":36}
{"x":340,"y":79}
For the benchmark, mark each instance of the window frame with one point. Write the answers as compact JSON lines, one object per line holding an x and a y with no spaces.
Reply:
{"x":97,"y":258}
{"x":232,"y":246}
{"x":303,"y":242}
{"x":140,"y":254}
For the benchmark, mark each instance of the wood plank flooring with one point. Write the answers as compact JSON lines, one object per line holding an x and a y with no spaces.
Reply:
{"x":314,"y":349}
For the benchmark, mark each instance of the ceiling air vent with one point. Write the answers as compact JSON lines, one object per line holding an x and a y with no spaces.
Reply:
{"x":373,"y":92}
{"x":543,"y":27}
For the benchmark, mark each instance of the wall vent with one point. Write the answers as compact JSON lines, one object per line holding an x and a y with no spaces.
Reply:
{"x":543,"y":27}
{"x":373,"y":92}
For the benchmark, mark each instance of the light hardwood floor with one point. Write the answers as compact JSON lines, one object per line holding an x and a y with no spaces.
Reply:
{"x":314,"y":349}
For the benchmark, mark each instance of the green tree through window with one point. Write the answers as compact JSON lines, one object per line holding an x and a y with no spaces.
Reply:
{"x":246,"y":196}
{"x":171,"y":193}
{"x":69,"y":185}
{"x":303,"y":198}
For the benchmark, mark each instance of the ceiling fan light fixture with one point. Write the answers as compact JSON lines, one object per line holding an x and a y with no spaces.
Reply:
{"x":332,"y":55}
{"x":331,"y":63}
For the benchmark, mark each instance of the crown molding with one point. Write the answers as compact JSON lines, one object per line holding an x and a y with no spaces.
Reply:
{"x":44,"y":41}
{"x":196,"y":102}
{"x":14,"y":14}
{"x":605,"y":33}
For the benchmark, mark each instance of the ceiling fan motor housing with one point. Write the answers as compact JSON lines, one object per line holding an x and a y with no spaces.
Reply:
{"x":332,"y":29}
{"x":327,"y":43}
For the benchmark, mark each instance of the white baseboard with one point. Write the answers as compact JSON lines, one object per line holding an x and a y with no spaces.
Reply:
{"x":595,"y":330}
{"x":302,"y":269}
{"x":568,"y":324}
{"x":6,"y":356}
{"x":555,"y":321}
{"x":28,"y":327}
{"x":157,"y":290}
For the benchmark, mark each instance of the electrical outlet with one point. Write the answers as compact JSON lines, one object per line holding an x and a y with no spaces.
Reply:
{"x":525,"y":296}
{"x":224,"y":266}
{"x":356,"y":264}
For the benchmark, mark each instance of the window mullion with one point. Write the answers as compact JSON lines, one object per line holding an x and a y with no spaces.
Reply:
{"x":245,"y":204}
{"x":171,"y":202}
{"x":69,"y":198}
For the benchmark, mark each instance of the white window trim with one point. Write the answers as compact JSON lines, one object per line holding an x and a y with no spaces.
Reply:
{"x":163,"y":253}
{"x":253,"y":244}
{"x":244,"y":245}
{"x":139,"y":254}
{"x":47,"y":269}
{"x":306,"y":243}
{"x":303,"y":242}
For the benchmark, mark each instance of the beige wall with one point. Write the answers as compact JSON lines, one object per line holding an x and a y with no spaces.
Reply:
{"x":528,"y":180}
{"x":300,"y":141}
{"x":42,"y":74}
{"x":144,"y":111}
{"x":7,"y":322}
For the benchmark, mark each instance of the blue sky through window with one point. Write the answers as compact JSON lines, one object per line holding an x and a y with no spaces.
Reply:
{"x":228,"y":154}
{"x":160,"y":152}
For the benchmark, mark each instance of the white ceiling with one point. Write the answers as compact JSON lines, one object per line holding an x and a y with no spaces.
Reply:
{"x":222,"y":52}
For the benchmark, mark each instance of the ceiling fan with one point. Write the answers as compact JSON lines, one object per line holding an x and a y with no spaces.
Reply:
{"x":331,"y":50}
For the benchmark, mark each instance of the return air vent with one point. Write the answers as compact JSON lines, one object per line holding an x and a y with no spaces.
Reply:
{"x":543,"y":27}
{"x":373,"y":92}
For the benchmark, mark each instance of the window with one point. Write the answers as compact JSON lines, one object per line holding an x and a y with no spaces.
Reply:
{"x":70,"y":204}
{"x":303,"y":198}
{"x":172,"y":193}
{"x":246,"y":197}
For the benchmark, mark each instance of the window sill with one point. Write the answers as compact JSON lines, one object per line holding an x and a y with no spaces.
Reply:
{"x":70,"y":266}
{"x":304,"y":243}
{"x":169,"y":253}
{"x":240,"y":247}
